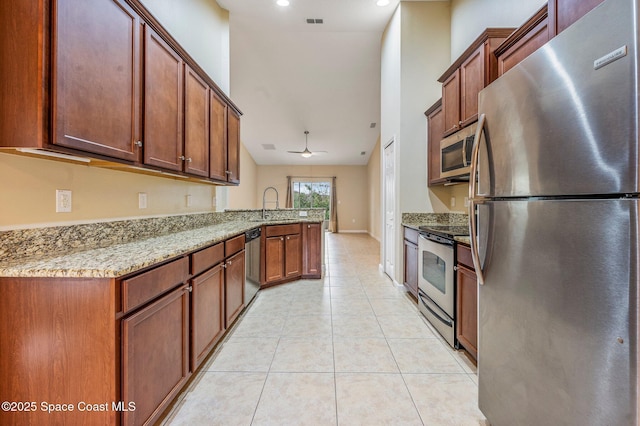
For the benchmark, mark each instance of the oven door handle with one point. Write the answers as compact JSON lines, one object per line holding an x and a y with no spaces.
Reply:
{"x":474,"y":199}
{"x":434,"y":313}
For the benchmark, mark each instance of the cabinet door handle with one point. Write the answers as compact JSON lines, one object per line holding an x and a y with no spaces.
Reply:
{"x":229,"y":262}
{"x":182,"y":158}
{"x":190,"y":289}
{"x":188,"y":160}
{"x":138,"y":144}
{"x":224,"y":265}
{"x":227,"y":172}
{"x":281,"y":239}
{"x":308,"y":226}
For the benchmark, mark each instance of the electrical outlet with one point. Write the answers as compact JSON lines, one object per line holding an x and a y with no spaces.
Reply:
{"x":303,"y":213}
{"x":142,"y":200}
{"x":453,"y":201}
{"x":188,"y":200}
{"x":63,"y":201}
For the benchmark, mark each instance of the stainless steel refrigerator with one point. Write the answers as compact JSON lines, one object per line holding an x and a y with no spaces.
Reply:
{"x":555,"y":213}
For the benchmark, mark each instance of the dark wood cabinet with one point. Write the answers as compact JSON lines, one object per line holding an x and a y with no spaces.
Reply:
{"x":282,"y":255}
{"x":472,"y":80}
{"x":451,"y":103}
{"x":563,"y":13}
{"x":155,"y":356}
{"x":196,"y":124}
{"x":528,"y":38}
{"x":292,"y":256}
{"x":233,"y":147}
{"x":311,"y":250}
{"x":163,"y":97}
{"x":435,"y":130}
{"x":234,"y":286}
{"x":466,"y":301}
{"x":411,"y":260}
{"x":470,"y":73}
{"x":96,"y":70}
{"x":207,"y":313}
{"x":104,"y":80}
{"x":218,"y":137}
{"x":274,"y":259}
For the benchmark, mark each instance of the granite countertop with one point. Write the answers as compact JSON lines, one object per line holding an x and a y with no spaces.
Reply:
{"x":121,"y":259}
{"x":416,"y":220}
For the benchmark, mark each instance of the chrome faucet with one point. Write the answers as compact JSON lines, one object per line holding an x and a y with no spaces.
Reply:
{"x":264,"y":200}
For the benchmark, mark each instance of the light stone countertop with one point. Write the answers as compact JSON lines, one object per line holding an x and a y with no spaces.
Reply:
{"x":121,"y":259}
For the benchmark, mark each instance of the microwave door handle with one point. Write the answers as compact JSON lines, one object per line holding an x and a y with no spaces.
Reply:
{"x":474,"y":199}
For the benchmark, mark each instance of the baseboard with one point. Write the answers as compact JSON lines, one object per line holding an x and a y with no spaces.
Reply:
{"x":374,"y":237}
{"x":354,"y":231}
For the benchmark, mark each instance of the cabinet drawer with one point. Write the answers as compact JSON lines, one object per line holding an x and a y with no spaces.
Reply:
{"x":411,"y":235}
{"x":274,"y":230}
{"x":144,"y":287}
{"x":204,"y":259}
{"x":233,"y":245}
{"x":464,"y":255}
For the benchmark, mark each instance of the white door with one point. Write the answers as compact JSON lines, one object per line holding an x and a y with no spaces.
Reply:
{"x":389,"y":209}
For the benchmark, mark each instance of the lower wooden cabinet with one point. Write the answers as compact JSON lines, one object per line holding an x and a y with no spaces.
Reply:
{"x":467,"y":302}
{"x":312,"y":250}
{"x":282,"y":253}
{"x":274,"y":259}
{"x":155,"y":356}
{"x":207,"y":313}
{"x":292,"y":256}
{"x":411,"y":260}
{"x":234,"y":286}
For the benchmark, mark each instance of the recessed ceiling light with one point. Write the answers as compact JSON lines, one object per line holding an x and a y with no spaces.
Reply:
{"x":382,"y":2}
{"x":286,"y":2}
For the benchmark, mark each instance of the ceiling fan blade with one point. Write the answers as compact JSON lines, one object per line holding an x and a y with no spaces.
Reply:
{"x":295,"y":152}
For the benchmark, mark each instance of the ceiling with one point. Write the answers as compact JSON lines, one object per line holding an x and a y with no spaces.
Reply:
{"x":288,"y":76}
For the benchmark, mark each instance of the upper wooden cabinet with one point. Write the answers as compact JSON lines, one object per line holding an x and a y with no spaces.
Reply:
{"x":196,"y":124}
{"x":233,"y":147}
{"x":470,"y":73}
{"x":102,"y":79}
{"x":435,"y":129}
{"x":163,"y":98}
{"x":532,"y":35}
{"x":218,"y":137}
{"x":96,"y":71}
{"x":563,"y":13}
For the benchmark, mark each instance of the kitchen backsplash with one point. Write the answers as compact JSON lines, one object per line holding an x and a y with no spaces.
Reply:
{"x":24,"y":243}
{"x":453,"y":219}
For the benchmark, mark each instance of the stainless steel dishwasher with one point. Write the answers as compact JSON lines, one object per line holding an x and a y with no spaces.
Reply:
{"x":252,"y":264}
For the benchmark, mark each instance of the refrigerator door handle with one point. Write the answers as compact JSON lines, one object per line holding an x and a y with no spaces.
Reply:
{"x":473,"y":200}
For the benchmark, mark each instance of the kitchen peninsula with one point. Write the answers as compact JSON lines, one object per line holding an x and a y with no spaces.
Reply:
{"x":124,"y":316}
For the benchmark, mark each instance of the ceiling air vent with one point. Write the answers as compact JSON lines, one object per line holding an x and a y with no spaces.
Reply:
{"x":315,"y":21}
{"x":269,"y":146}
{"x":372,"y":125}
{"x":363,"y":152}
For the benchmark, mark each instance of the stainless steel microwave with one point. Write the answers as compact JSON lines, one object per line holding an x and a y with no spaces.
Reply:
{"x":455,"y":153}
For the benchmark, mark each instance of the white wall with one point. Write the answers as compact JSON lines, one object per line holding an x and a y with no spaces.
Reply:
{"x":470,"y":17}
{"x":202,"y":29}
{"x":415,"y":51}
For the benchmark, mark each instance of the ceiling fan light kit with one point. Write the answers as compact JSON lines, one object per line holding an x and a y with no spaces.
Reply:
{"x":306,"y":153}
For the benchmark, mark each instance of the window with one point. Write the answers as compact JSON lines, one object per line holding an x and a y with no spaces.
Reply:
{"x":308,"y":195}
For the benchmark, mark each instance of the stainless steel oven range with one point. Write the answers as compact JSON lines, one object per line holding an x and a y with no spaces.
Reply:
{"x":436,"y":278}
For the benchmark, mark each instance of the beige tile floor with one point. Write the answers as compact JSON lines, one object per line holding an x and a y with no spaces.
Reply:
{"x":350,"y":349}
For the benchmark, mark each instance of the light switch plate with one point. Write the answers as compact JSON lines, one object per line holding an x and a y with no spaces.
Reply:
{"x":63,"y":201}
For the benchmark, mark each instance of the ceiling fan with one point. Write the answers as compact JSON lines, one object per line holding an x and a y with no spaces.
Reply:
{"x":306,"y":153}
